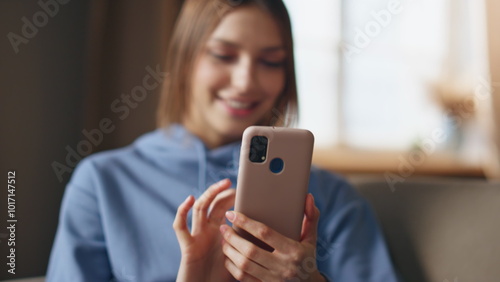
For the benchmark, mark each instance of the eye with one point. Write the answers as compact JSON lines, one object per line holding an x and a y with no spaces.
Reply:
{"x":273,"y":64}
{"x":222,"y":57}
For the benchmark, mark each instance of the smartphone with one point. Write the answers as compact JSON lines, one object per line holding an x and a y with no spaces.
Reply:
{"x":273,"y":179}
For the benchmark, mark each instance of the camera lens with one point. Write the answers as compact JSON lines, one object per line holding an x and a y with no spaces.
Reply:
{"x":276,"y":165}
{"x":258,"y":149}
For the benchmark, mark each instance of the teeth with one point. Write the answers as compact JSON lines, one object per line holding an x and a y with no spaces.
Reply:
{"x":238,"y":105}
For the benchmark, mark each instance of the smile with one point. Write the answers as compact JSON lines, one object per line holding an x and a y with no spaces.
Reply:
{"x":239,"y":108}
{"x":239,"y":105}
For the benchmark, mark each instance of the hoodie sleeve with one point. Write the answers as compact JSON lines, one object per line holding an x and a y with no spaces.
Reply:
{"x":350,"y":244}
{"x":79,"y":250}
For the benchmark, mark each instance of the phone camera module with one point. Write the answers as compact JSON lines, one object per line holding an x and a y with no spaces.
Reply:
{"x":258,"y":149}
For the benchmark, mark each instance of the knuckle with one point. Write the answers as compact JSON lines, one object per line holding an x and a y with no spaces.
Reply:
{"x":227,"y":236}
{"x":198,"y":205}
{"x":198,"y":209}
{"x":296,"y":257}
{"x":213,"y":188}
{"x":240,"y":220}
{"x":264,"y":232}
{"x":251,"y":252}
{"x":205,"y":196}
{"x":244,"y":265}
{"x":290,"y":273}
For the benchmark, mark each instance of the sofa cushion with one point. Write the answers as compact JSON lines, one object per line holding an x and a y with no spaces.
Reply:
{"x":439,"y":229}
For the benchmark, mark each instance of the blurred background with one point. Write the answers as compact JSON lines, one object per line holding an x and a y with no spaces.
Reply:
{"x":392,"y":88}
{"x":390,"y":84}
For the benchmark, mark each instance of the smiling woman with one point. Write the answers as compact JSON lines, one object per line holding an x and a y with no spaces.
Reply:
{"x":230,"y":66}
{"x":243,"y":68}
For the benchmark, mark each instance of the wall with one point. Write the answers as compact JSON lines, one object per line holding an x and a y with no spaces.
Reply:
{"x":41,"y":107}
{"x":84,"y":55}
{"x":130,"y":37}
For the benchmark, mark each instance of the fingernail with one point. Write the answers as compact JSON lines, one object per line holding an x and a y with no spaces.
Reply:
{"x":223,"y":181}
{"x":230,"y":215}
{"x":223,"y":228}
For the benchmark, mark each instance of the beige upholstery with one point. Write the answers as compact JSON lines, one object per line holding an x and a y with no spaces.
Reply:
{"x":440,"y":230}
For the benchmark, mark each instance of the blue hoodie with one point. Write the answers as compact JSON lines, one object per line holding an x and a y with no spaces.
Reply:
{"x":118,"y":208}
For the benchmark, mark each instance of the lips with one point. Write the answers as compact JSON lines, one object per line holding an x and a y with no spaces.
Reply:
{"x":238,"y":105}
{"x":239,"y":108}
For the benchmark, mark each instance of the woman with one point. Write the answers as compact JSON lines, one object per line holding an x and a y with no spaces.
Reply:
{"x":230,"y":66}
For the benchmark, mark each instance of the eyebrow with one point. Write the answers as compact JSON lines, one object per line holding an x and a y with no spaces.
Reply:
{"x":267,"y":49}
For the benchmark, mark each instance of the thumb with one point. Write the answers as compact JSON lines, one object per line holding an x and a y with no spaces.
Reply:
{"x":310,"y":221}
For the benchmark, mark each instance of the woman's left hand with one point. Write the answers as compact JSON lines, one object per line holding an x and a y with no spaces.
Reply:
{"x":290,"y":260}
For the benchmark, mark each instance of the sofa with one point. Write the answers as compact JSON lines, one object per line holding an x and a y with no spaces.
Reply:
{"x":439,"y":229}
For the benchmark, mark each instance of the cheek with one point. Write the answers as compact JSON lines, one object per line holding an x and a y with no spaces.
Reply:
{"x":273,"y":83}
{"x":207,"y":77}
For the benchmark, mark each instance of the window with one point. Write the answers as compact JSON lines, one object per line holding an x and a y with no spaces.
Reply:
{"x":368,"y":72}
{"x":316,"y":26}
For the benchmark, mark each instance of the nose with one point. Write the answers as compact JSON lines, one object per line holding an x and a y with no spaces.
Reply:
{"x":244,"y":77}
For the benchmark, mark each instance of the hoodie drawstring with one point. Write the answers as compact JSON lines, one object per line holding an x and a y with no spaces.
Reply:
{"x":202,"y":166}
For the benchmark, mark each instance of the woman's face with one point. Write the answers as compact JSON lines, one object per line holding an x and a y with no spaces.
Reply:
{"x":237,"y":77}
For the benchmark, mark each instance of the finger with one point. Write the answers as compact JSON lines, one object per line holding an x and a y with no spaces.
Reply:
{"x":260,"y":231}
{"x":223,"y":202}
{"x":244,"y":247}
{"x":200,"y":208}
{"x":180,"y":221}
{"x":233,"y":263}
{"x":244,"y":264}
{"x":237,"y":273}
{"x":310,"y":222}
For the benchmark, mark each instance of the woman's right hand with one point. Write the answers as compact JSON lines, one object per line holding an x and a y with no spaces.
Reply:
{"x":202,"y":257}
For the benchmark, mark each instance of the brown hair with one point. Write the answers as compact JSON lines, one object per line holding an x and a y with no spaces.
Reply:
{"x":197,"y":20}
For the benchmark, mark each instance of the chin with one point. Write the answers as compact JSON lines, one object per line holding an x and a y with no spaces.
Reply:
{"x":234,"y":130}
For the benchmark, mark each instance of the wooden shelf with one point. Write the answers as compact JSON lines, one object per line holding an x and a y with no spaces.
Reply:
{"x":354,"y":161}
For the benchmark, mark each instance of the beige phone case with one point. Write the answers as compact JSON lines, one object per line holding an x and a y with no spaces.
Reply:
{"x":275,"y":199}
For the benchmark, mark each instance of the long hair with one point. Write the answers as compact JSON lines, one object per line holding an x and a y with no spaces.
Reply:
{"x":197,"y":20}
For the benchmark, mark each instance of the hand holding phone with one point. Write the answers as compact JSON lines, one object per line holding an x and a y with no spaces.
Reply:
{"x":273,"y":179}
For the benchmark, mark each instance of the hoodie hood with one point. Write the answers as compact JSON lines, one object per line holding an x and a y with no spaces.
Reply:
{"x":176,"y":150}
